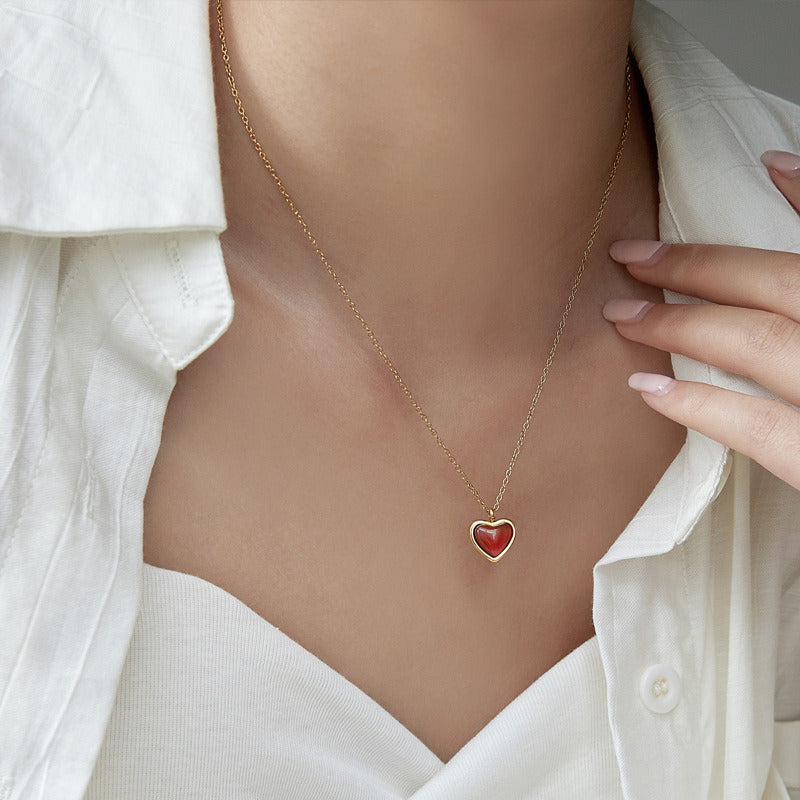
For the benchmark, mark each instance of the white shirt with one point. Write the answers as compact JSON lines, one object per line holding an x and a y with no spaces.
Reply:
{"x":112,"y":278}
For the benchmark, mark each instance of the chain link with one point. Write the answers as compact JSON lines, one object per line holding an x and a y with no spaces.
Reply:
{"x":490,"y":510}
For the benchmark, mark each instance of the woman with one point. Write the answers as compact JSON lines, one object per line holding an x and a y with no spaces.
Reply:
{"x":319,"y":614}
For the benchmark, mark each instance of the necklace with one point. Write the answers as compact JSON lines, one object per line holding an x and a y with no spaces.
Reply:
{"x":491,"y":537}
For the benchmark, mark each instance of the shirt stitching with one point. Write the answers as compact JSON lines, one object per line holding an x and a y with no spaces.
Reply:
{"x":220,"y":285}
{"x":123,"y":270}
{"x":188,"y":298}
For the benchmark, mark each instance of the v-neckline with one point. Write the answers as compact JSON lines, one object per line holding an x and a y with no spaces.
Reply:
{"x":433,"y":763}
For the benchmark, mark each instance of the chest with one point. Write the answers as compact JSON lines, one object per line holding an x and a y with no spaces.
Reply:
{"x":323,"y":503}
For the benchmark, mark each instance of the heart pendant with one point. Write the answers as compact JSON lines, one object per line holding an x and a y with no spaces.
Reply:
{"x":492,"y":539}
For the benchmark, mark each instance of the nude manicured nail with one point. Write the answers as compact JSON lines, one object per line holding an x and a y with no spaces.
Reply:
{"x":637,"y":251}
{"x":626,"y":310}
{"x":788,"y":164}
{"x":651,"y":383}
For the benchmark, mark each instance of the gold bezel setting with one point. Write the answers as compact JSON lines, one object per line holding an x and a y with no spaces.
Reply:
{"x":493,"y":524}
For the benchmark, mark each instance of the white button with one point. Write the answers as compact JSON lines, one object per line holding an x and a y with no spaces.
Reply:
{"x":660,"y":688}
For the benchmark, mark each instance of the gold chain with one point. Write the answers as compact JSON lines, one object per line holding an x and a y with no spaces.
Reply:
{"x":518,"y":447}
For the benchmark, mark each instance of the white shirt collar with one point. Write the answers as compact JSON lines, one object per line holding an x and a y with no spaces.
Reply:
{"x":115,"y":118}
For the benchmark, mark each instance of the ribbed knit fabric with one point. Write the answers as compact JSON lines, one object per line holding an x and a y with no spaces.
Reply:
{"x":216,"y":703}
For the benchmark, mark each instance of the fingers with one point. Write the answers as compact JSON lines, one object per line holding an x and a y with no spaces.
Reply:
{"x":784,"y":169}
{"x":736,"y":276}
{"x":757,"y":344}
{"x":765,"y":430}
{"x":751,"y":327}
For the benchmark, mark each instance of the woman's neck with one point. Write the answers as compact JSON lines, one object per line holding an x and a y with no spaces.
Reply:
{"x":449,"y":157}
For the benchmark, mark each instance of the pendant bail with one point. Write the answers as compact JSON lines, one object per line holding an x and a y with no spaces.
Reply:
{"x":491,"y":515}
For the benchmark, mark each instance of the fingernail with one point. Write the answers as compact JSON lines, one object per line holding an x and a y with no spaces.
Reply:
{"x":788,"y":164}
{"x":638,"y":251}
{"x":626,"y":310}
{"x":651,"y":383}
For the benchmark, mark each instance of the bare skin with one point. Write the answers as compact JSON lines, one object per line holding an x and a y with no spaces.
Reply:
{"x":309,"y":488}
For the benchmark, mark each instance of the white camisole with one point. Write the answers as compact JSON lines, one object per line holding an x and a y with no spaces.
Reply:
{"x":217,"y":703}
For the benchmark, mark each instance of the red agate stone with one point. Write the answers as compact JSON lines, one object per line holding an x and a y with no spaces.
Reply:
{"x":492,"y":538}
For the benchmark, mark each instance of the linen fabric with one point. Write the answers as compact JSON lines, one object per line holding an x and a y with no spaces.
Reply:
{"x":112,"y":279}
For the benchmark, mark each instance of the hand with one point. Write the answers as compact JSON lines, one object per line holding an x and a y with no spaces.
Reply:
{"x":754,"y":331}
